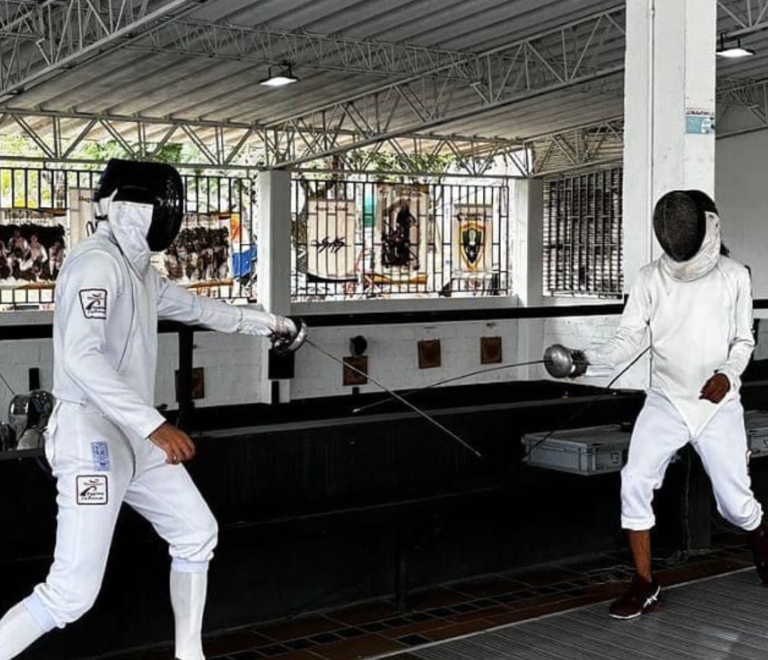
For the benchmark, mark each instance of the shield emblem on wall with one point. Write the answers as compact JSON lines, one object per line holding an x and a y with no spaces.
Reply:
{"x":472,"y":250}
{"x":472,"y":243}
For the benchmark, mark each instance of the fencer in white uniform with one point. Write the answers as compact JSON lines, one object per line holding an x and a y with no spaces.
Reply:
{"x":695,"y":306}
{"x":106,"y":443}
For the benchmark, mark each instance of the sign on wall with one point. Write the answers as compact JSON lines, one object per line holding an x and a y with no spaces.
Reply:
{"x":472,"y":238}
{"x":331,"y":239}
{"x":402,"y":215}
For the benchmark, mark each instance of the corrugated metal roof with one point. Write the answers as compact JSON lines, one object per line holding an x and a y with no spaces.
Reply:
{"x":138,"y":82}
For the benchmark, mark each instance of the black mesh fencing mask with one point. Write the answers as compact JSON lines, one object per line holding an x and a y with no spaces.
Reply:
{"x":157,"y":184}
{"x":680,"y":222}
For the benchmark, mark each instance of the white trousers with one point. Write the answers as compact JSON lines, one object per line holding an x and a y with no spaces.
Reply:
{"x":659,"y":433}
{"x":97,"y":469}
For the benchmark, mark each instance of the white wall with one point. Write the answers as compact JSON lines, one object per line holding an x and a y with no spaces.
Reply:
{"x":393,"y":356}
{"x":232,"y":363}
{"x":741,"y":193}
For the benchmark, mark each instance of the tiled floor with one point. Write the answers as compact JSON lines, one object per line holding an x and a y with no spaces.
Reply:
{"x":374,"y":628}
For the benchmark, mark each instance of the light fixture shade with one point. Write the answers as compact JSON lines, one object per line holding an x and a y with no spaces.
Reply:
{"x":283,"y":77}
{"x":734,"y":52}
{"x":278,"y":81}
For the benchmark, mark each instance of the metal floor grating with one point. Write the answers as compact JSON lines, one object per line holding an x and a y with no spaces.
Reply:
{"x":713,"y":619}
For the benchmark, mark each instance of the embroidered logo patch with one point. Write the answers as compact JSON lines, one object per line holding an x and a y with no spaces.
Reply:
{"x":100,"y":453}
{"x":92,"y":489}
{"x":94,"y":303}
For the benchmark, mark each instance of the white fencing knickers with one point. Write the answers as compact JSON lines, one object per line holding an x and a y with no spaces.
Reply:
{"x":659,"y":433}
{"x":98,"y":469}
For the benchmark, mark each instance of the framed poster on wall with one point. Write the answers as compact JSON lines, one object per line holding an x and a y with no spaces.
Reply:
{"x":331,"y":250}
{"x":400,"y":248}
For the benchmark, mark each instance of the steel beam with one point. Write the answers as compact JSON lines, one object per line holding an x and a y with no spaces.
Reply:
{"x":37,"y":40}
{"x":260,"y":45}
{"x":577,"y":148}
{"x":415,"y":105}
{"x":738,"y":18}
{"x":749,"y":94}
{"x":558,"y":59}
{"x":60,"y":137}
{"x":602,"y":142}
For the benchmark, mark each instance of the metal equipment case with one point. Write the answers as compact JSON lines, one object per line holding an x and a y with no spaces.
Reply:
{"x":587,"y":451}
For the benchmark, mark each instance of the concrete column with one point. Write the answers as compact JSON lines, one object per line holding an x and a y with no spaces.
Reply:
{"x":669,"y":109}
{"x":274,"y":259}
{"x":528,"y":269}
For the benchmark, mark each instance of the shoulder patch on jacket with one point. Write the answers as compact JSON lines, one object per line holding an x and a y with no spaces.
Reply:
{"x":94,"y":303}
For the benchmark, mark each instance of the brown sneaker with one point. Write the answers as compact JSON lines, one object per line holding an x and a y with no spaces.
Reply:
{"x":759,"y":542}
{"x":638,"y":599}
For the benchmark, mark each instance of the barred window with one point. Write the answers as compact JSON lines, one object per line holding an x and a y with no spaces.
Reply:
{"x":357,"y":237}
{"x":583,"y":234}
{"x":44,"y":213}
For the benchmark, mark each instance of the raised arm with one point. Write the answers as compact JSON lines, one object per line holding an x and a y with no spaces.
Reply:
{"x":175,"y":303}
{"x":629,"y":336}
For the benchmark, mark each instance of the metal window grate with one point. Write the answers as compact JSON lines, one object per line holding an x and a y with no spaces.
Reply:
{"x":354,"y":237}
{"x":361,"y":238}
{"x":583,"y":234}
{"x":215,"y":253}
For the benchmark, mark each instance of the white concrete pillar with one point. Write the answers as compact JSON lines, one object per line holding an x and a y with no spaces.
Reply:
{"x":274,"y":259}
{"x":528,"y":269}
{"x":669,"y":109}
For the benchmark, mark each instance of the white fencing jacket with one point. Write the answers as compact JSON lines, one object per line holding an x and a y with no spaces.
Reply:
{"x":108,"y":301}
{"x":697,"y":328}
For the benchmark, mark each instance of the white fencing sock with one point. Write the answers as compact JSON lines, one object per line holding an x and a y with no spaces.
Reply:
{"x":188,"y":591}
{"x":18,"y":629}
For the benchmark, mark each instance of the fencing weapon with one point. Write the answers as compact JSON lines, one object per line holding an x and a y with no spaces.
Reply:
{"x":394,"y":395}
{"x":431,"y":420}
{"x":581,"y":411}
{"x":448,"y":380}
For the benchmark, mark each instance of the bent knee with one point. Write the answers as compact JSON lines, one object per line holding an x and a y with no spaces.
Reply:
{"x":65,"y":606}
{"x":210,"y":536}
{"x":639,"y":478}
{"x":199,"y":543}
{"x":745,"y":514}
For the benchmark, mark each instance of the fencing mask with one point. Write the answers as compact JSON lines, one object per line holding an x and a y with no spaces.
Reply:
{"x":687,"y":227}
{"x":155,"y":184}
